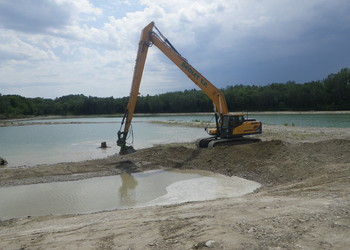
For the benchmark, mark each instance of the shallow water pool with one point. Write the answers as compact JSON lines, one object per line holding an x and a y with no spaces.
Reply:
{"x":158,"y":187}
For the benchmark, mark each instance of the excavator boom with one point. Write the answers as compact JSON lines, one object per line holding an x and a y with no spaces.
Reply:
{"x":206,"y":86}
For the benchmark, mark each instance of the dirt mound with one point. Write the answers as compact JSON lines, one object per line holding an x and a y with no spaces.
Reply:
{"x":268,"y":162}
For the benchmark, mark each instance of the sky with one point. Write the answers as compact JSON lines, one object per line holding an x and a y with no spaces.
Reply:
{"x":51,"y":48}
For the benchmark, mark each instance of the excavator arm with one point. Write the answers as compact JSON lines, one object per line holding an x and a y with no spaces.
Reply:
{"x":144,"y":44}
{"x":148,"y":38}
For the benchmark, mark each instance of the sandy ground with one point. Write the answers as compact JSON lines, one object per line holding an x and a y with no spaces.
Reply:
{"x":304,"y":202}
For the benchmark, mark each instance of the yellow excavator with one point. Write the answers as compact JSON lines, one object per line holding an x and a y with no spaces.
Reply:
{"x":229,"y":129}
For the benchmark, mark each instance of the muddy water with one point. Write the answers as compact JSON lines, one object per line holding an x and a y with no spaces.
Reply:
{"x":149,"y":188}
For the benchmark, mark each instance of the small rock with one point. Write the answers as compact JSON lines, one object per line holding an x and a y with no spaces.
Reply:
{"x":3,"y":162}
{"x":199,"y":245}
{"x":152,"y":244}
{"x":209,"y":243}
{"x":104,"y":145}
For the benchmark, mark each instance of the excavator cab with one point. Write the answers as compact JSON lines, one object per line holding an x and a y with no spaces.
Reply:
{"x":229,"y":122}
{"x":235,"y":125}
{"x":230,"y":129}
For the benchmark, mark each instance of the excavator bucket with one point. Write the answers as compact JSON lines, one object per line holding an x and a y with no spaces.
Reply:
{"x":126,"y":150}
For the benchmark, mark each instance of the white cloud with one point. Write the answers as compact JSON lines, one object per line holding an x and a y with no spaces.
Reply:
{"x":33,"y":16}
{"x":18,"y":49}
{"x":90,"y":47}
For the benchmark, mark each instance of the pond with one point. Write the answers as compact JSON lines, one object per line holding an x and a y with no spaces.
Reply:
{"x":157,"y":187}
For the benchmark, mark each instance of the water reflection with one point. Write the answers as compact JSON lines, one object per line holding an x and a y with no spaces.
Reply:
{"x":127,"y":191}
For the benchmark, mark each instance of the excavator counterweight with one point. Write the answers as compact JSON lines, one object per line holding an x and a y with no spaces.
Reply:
{"x":230,"y":128}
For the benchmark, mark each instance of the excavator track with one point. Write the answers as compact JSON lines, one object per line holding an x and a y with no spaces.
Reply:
{"x":215,"y":142}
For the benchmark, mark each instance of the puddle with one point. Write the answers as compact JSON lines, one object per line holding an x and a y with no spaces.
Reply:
{"x":158,"y":187}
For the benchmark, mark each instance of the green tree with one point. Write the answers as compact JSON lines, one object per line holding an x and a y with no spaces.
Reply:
{"x":337,"y":87}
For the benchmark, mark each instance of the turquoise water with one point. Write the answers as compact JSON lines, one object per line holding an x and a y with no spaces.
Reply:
{"x":306,"y":120}
{"x":301,"y":120}
{"x":43,"y":144}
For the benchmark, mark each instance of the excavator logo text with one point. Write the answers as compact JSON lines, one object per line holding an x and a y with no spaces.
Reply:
{"x":193,"y":73}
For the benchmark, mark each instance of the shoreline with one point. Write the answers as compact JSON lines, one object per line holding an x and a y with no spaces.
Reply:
{"x":167,"y":114}
{"x":27,"y":121}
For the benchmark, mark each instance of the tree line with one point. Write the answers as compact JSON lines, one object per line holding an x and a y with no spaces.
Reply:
{"x":332,"y":93}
